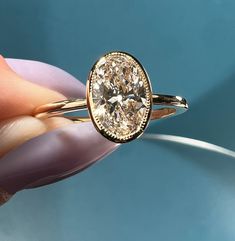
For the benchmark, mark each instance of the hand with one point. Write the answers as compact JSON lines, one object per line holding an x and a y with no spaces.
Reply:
{"x":35,"y":152}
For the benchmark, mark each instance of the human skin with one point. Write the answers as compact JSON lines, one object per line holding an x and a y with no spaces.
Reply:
{"x":35,"y":152}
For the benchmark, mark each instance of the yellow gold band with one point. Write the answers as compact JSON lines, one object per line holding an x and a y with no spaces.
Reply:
{"x":168,"y":105}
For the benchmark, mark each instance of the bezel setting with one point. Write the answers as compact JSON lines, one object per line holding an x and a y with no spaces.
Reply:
{"x":116,"y":134}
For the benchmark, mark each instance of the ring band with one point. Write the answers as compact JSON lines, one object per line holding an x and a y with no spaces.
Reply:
{"x":119,"y":99}
{"x":169,"y":105}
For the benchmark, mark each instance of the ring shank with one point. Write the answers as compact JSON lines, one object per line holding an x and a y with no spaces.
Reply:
{"x":167,"y":105}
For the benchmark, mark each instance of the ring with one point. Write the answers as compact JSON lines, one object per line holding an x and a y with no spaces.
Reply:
{"x":119,"y":99}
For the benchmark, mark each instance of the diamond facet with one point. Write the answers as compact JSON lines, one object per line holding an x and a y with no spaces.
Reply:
{"x":119,"y":96}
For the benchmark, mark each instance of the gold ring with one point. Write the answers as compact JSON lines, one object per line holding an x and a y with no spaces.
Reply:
{"x":119,"y":99}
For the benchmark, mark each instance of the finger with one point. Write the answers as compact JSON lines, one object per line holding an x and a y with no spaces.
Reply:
{"x":21,"y":97}
{"x":17,"y":130}
{"x":87,"y":145}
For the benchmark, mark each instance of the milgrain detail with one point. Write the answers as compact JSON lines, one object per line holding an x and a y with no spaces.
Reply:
{"x":4,"y":196}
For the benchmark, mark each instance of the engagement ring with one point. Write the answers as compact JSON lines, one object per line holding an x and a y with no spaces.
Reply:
{"x":119,"y":99}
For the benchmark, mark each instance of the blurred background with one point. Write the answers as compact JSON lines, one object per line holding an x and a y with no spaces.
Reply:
{"x":146,"y":190}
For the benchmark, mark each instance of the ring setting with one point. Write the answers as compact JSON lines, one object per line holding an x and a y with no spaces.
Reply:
{"x":119,"y":96}
{"x":119,"y":99}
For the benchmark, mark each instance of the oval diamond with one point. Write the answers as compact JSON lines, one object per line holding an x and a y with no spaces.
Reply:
{"x":119,"y":96}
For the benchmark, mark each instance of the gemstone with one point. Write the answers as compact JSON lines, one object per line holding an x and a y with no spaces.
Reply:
{"x":119,"y":98}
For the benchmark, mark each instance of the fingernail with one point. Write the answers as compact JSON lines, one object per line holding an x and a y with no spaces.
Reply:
{"x":48,"y":76}
{"x":52,"y":156}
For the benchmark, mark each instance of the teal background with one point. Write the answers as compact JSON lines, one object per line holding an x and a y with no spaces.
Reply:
{"x":145,"y":190}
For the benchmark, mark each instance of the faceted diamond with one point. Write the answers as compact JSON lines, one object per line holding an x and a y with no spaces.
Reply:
{"x":120,"y":95}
